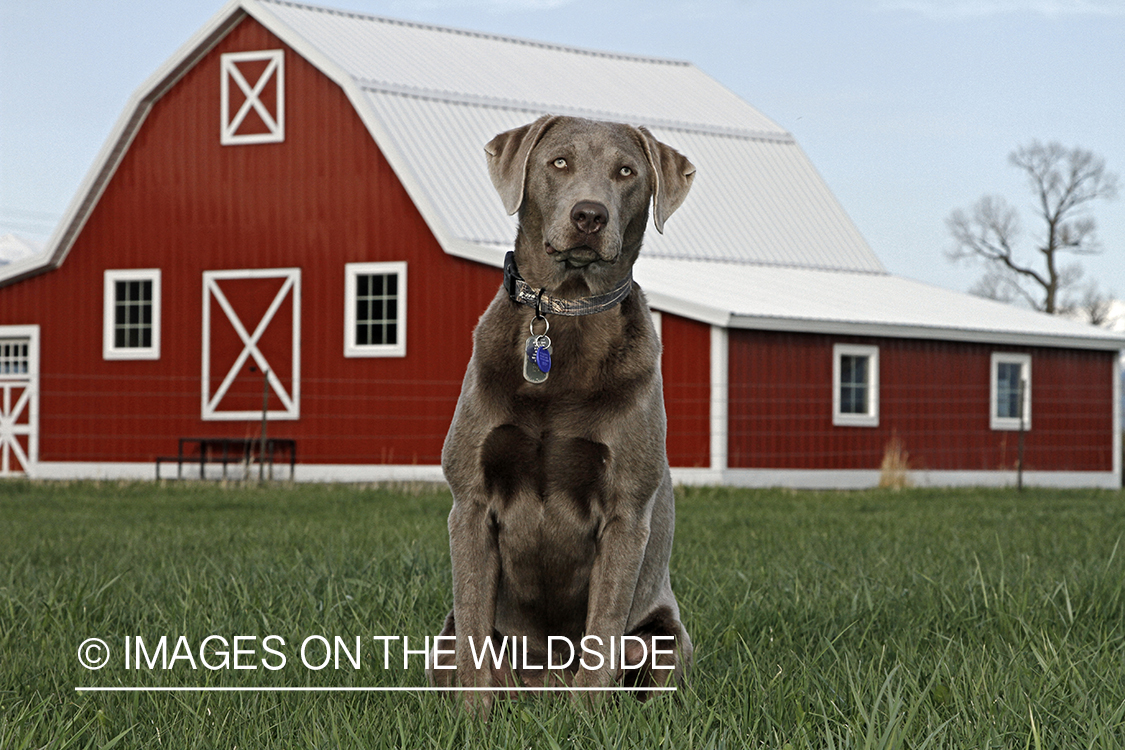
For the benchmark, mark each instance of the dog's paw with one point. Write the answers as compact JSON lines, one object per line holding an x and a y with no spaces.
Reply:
{"x":593,"y":678}
{"x":591,"y":684}
{"x":476,"y":703}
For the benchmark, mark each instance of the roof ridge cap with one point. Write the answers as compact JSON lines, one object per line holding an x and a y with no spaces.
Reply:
{"x":482,"y":34}
{"x":657,"y":255}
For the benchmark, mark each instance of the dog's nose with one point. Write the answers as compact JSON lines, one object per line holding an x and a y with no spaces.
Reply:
{"x":589,"y":216}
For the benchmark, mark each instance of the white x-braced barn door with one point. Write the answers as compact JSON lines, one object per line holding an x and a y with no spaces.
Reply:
{"x":251,"y":343}
{"x":19,"y":399}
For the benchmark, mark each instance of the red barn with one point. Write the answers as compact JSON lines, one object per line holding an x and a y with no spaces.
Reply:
{"x":294,"y":213}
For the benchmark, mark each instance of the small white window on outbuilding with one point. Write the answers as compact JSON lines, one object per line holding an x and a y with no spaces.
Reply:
{"x":855,"y":385}
{"x":1010,"y":391}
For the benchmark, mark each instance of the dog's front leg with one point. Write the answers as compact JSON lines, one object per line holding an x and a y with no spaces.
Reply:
{"x":613,"y":581}
{"x":476,"y":571}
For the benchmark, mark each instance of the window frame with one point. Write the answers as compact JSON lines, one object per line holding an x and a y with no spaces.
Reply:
{"x":1008,"y":423}
{"x":351,"y":272}
{"x":110,"y":351}
{"x":870,"y":418}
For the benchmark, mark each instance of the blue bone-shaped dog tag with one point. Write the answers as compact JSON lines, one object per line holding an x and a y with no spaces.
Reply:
{"x":543,"y":359}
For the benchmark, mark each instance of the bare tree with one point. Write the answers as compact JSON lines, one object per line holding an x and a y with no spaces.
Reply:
{"x":1096,"y":307}
{"x":1064,"y":182}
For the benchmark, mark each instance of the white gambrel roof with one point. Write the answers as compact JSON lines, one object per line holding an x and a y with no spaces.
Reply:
{"x":440,"y":94}
{"x":760,"y":242}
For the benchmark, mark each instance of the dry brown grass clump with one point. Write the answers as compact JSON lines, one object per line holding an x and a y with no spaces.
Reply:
{"x":894,"y":471}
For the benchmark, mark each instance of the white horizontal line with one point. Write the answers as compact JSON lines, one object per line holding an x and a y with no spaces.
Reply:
{"x":219,"y":689}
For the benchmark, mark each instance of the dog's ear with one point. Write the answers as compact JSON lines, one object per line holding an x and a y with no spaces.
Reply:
{"x":672,"y":174}
{"x":507,"y":160}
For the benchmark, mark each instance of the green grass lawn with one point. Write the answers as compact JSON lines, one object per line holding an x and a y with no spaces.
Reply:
{"x":923,"y":618}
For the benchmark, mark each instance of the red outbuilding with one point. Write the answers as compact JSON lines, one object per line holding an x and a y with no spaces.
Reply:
{"x":292,"y":226}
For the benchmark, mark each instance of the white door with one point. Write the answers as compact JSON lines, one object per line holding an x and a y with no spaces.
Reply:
{"x":19,"y":400}
{"x":252,"y":344}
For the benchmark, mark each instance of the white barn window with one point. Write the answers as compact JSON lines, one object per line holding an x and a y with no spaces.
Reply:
{"x":375,"y":309}
{"x":131,"y":314}
{"x":252,"y":88}
{"x":1011,"y":377}
{"x":855,"y":385}
{"x":14,"y":357}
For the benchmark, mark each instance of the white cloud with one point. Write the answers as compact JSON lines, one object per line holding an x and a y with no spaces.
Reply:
{"x":962,"y":9}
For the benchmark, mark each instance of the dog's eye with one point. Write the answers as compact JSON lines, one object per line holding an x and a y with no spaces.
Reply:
{"x":626,"y":171}
{"x":560,"y":163}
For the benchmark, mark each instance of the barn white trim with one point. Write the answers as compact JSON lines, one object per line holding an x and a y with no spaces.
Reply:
{"x":720,"y":387}
{"x":290,"y":397}
{"x":869,"y":416}
{"x":352,"y":348}
{"x":19,"y":396}
{"x":995,"y":421}
{"x":274,"y":121}
{"x":808,"y":479}
{"x":110,"y":350}
{"x":859,"y":479}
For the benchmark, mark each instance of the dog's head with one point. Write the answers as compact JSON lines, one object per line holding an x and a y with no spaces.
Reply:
{"x":583,"y":190}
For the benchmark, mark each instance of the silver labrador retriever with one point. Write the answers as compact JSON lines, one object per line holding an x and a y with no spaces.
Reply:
{"x":563,"y":515}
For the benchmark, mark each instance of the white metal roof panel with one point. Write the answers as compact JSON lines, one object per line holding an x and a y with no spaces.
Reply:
{"x":470,"y":66}
{"x":752,"y":201}
{"x":813,"y":300}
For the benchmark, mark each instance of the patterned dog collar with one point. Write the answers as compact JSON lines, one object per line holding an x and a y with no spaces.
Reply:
{"x":523,"y":293}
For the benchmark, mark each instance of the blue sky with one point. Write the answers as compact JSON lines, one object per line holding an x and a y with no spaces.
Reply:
{"x":908,"y":108}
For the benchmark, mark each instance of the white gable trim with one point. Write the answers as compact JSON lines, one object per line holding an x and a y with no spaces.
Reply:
{"x":139,"y":105}
{"x":121,"y":137}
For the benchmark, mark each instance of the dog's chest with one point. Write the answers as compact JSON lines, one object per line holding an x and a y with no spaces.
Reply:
{"x":546,"y":534}
{"x":567,"y":473}
{"x":547,"y":550}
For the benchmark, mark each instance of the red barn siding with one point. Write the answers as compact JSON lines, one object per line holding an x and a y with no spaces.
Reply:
{"x":182,"y":202}
{"x":326,"y":196}
{"x":934,"y":396}
{"x":686,"y":371}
